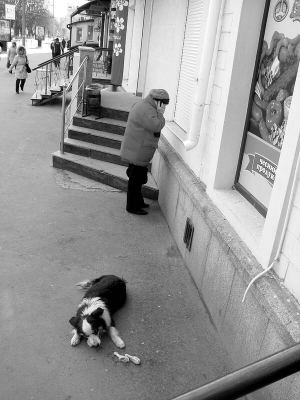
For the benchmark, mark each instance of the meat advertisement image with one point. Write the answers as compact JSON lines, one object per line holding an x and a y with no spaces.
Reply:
{"x":277,"y":73}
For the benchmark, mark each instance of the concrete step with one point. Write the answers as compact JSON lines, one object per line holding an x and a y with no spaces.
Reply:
{"x":103,"y":124}
{"x":101,"y":171}
{"x":91,"y":150}
{"x":119,"y":115}
{"x":94,"y":136}
{"x":55,"y":89}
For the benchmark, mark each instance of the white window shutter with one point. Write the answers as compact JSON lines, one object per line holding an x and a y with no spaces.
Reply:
{"x":187,"y":75}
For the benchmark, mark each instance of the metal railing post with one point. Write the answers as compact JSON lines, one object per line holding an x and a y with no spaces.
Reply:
{"x":83,"y":86}
{"x":46,"y":79}
{"x":51,"y":69}
{"x":62,"y":138}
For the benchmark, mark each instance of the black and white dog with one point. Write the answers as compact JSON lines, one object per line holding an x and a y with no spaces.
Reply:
{"x":104,"y":296}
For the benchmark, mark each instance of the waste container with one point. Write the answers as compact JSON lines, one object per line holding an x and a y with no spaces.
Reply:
{"x":92,"y":99}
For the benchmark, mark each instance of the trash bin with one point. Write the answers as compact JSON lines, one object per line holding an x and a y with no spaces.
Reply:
{"x":92,"y":99}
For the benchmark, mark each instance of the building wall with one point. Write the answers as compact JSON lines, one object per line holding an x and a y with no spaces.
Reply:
{"x":222,"y":268}
{"x":135,"y":26}
{"x":84,"y":25}
{"x":232,"y":242}
{"x":223,"y":125}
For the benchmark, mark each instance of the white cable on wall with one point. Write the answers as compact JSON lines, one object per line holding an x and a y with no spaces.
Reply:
{"x":287,"y":216}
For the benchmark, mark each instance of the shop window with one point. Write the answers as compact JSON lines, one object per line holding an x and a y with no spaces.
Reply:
{"x":79,"y":35}
{"x":90,"y":32}
{"x":270,"y":100}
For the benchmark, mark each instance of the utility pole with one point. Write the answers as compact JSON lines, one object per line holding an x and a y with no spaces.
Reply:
{"x":23,"y":23}
{"x":53,"y":21}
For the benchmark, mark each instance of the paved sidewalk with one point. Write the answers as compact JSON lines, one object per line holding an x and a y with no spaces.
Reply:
{"x":58,"y":229}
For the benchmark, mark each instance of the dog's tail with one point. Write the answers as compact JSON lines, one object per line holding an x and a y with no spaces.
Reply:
{"x":86,"y":284}
{"x":90,"y":282}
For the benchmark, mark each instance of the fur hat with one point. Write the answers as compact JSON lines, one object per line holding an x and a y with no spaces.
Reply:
{"x":160,"y":95}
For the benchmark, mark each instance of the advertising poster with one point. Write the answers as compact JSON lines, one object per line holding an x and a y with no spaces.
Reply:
{"x":119,"y":36}
{"x":4,"y":30}
{"x":272,"y":98}
{"x":39,"y":33}
{"x":10,"y":11}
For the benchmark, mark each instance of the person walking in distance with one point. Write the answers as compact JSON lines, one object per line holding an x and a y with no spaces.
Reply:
{"x":52,"y":48}
{"x":20,"y":73}
{"x":12,"y":52}
{"x":145,"y":121}
{"x":57,"y":51}
{"x":63,"y":45}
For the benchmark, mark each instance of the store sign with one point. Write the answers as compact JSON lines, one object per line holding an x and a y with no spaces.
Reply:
{"x":262,"y":166}
{"x":119,"y":37}
{"x":271,"y":101}
{"x":10,"y":11}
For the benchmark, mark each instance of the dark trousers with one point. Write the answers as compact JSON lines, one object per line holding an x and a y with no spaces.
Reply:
{"x":56,"y":63}
{"x":137,"y":177}
{"x":18,"y":81}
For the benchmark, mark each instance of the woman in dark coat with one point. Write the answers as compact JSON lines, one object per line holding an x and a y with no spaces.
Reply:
{"x":145,"y":121}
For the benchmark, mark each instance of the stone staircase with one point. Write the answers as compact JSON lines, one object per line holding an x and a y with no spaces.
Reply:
{"x":92,"y":148}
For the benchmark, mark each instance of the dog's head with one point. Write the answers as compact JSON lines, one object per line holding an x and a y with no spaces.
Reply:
{"x":88,"y":319}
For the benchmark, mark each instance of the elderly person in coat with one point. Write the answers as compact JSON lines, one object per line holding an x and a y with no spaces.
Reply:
{"x":20,"y":73}
{"x":145,"y":121}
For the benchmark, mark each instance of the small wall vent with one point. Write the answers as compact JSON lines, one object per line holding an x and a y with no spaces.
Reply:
{"x":188,"y":234}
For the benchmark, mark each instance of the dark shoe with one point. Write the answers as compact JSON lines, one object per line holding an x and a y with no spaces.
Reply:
{"x":138,"y":212}
{"x":145,"y":205}
{"x":17,"y":91}
{"x":22,"y":88}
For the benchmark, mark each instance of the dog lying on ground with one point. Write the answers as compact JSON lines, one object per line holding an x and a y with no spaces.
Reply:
{"x":104,"y":296}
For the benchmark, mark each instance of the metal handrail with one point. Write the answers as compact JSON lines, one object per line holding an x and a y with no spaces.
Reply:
{"x":250,"y":378}
{"x":52,"y":60}
{"x":65,"y":110}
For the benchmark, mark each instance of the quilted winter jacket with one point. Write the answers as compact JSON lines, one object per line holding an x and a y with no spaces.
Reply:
{"x":19,"y":62}
{"x":139,"y":143}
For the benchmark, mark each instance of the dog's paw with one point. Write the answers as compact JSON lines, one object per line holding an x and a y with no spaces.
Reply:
{"x":75,"y":339}
{"x":119,"y":343}
{"x":93,"y":341}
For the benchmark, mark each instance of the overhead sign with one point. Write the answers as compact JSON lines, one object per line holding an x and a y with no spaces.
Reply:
{"x":10,"y":11}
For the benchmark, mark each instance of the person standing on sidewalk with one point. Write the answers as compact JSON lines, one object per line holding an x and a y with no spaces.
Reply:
{"x":1,"y":47}
{"x":20,"y":73}
{"x":12,"y":52}
{"x":57,"y":51}
{"x":63,"y":44}
{"x":145,"y":121}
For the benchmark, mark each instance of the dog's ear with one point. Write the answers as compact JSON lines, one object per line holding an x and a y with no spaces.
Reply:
{"x":97,"y":313}
{"x":73,"y":321}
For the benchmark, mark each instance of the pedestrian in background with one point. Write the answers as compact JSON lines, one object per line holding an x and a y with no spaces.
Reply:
{"x":63,"y":45}
{"x":20,"y":72}
{"x":145,"y":121}
{"x":57,"y":51}
{"x":1,"y":47}
{"x":52,"y":48}
{"x":12,"y":52}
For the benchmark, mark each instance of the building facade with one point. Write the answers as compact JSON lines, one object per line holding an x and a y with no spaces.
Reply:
{"x":227,"y":165}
